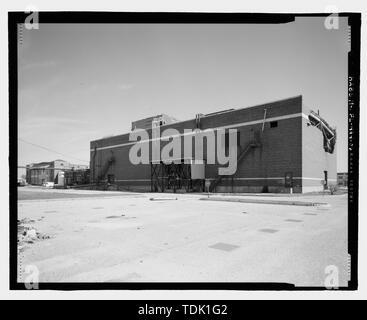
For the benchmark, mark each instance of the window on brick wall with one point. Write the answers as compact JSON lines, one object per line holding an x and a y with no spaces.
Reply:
{"x":273,"y":124}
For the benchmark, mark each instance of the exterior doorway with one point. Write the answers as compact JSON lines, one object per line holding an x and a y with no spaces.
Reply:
{"x":325,"y":180}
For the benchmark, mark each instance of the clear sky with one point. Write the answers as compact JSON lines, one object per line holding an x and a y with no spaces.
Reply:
{"x":80,"y":82}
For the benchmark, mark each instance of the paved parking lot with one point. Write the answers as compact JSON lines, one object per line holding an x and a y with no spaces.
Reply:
{"x":97,"y":236}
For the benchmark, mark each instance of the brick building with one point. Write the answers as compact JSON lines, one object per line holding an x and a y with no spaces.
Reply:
{"x":39,"y":173}
{"x":281,"y":146}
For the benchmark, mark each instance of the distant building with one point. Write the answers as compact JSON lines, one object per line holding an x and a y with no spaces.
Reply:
{"x":39,"y":173}
{"x":342,"y":178}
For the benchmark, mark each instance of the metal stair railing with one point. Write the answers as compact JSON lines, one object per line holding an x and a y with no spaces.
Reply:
{"x":250,"y":146}
{"x":106,"y":167}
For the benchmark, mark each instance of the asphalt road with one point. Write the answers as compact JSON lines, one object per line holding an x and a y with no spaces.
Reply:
{"x":128,"y":237}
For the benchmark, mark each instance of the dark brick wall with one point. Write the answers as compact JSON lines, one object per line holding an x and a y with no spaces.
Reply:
{"x":275,"y":109}
{"x":280,"y":150}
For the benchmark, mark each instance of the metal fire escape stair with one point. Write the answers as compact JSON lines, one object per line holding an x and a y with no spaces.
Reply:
{"x":245,"y":151}
{"x":108,"y":164}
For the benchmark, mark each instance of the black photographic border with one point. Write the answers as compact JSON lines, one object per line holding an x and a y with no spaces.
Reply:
{"x":353,"y":91}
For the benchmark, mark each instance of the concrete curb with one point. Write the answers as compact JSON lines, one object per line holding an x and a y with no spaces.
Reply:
{"x":280,"y":202}
{"x":162,"y":199}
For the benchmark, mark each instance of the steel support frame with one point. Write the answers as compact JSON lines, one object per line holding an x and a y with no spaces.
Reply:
{"x":170,"y":176}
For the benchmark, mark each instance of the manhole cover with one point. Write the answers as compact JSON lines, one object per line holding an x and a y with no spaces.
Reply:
{"x":269,"y":230}
{"x":293,"y":220}
{"x":224,"y":246}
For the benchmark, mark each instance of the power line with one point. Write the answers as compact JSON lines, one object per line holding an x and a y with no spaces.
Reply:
{"x":50,"y":150}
